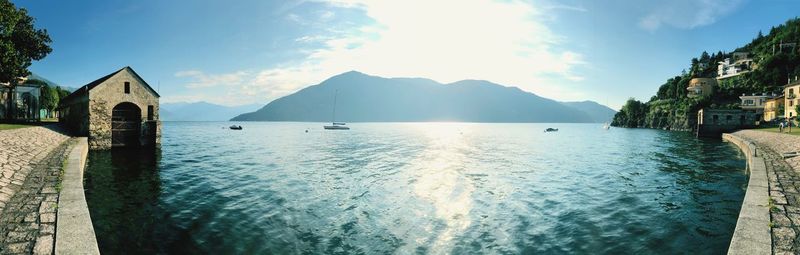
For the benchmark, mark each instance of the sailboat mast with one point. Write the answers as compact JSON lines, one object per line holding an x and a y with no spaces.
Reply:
{"x":333,"y":116}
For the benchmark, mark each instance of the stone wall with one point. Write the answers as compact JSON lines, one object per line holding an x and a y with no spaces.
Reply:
{"x":714,"y":122}
{"x":104,"y":97}
{"x":76,"y":116}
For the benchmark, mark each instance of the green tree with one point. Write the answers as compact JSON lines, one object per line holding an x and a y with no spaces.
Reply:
{"x":62,"y":93}
{"x":632,"y":114}
{"x":49,"y":99}
{"x":20,"y":43}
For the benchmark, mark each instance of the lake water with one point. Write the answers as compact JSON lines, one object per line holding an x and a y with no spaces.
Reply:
{"x":403,"y":188}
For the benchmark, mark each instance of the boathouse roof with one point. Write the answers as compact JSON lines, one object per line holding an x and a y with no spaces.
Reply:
{"x":85,"y":88}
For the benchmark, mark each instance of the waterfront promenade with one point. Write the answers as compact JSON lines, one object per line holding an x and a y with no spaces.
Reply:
{"x":784,"y":186}
{"x":30,"y":164}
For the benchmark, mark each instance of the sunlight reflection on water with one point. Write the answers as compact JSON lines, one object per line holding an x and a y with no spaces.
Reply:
{"x":404,"y":188}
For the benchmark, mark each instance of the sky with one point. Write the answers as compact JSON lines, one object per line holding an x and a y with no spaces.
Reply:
{"x":255,"y":51}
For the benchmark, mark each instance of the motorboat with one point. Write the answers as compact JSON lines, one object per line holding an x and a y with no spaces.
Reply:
{"x":551,"y":130}
{"x":235,"y":127}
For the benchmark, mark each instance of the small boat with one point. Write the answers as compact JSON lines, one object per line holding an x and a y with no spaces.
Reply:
{"x":235,"y":127}
{"x":551,"y":130}
{"x":606,"y":126}
{"x":335,"y":125}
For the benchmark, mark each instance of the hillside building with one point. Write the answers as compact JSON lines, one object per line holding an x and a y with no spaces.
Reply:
{"x":772,"y":108}
{"x":701,"y":87}
{"x":117,"y":110}
{"x":790,"y":91}
{"x":755,"y":102}
{"x":739,"y":63}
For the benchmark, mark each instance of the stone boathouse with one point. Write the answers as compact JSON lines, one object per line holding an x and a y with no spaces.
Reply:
{"x":117,"y":110}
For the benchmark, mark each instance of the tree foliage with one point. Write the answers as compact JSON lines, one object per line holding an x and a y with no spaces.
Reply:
{"x":20,"y":42}
{"x":49,"y":96}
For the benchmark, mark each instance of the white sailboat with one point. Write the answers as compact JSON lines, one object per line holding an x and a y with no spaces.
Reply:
{"x":335,"y":125}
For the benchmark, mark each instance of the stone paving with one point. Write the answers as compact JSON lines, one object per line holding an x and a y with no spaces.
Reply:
{"x":784,"y":186}
{"x":30,"y":166}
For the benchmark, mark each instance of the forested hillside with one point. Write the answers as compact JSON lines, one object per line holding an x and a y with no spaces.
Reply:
{"x":671,"y":108}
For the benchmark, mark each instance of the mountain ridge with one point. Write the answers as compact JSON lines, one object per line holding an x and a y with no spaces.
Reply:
{"x":201,"y":111}
{"x":367,"y":98}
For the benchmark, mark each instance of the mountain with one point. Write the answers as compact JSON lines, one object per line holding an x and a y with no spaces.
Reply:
{"x":599,"y":113}
{"x":365,"y":98}
{"x":201,"y":111}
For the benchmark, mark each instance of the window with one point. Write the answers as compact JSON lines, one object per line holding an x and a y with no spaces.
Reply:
{"x":150,"y":112}
{"x":791,"y":92}
{"x":748,"y":102}
{"x":791,"y":102}
{"x":127,"y":87}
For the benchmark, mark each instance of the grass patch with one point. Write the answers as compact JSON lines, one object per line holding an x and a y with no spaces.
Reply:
{"x":59,"y":186}
{"x":772,"y":207}
{"x":13,"y":126}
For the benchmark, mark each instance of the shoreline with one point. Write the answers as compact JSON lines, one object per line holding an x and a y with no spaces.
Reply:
{"x":752,"y":234}
{"x":42,"y":205}
{"x":74,"y":229}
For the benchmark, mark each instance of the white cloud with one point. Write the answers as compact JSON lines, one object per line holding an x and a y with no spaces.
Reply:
{"x":202,"y":80}
{"x":326,"y":15}
{"x":688,"y":14}
{"x":566,"y":7}
{"x":501,"y":41}
{"x":447,"y":41}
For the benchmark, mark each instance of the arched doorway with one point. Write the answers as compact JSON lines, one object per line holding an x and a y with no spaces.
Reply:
{"x":126,"y":121}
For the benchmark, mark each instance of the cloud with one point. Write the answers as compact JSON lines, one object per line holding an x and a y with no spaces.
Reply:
{"x":202,"y":80}
{"x":326,"y":15}
{"x":243,"y":87}
{"x":688,"y":14}
{"x":501,"y":41}
{"x":506,"y":42}
{"x":566,"y":7}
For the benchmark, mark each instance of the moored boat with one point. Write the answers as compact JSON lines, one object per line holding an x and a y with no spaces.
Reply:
{"x":335,"y":125}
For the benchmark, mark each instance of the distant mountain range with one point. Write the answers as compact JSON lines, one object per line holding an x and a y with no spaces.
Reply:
{"x":50,"y":83}
{"x":365,"y":98}
{"x":202,"y":111}
{"x":599,"y":113}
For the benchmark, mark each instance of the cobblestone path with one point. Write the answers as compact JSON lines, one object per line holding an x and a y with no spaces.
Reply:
{"x":30,"y":166}
{"x":784,"y":186}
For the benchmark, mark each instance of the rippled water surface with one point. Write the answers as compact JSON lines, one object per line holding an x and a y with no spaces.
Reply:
{"x":416,"y":188}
